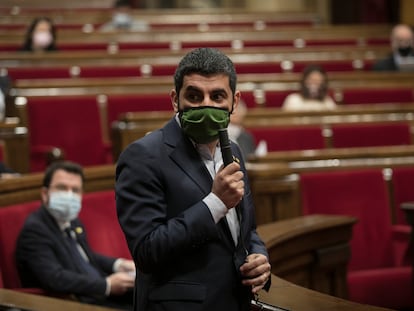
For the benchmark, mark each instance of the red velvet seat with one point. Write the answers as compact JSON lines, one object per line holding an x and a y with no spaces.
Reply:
{"x":12,"y":219}
{"x":377,"y":95}
{"x":118,"y":104}
{"x":39,"y":73}
{"x":376,"y":273}
{"x":402,"y":183}
{"x":109,"y":71}
{"x":99,"y":217}
{"x":289,"y":138}
{"x":83,"y":46}
{"x":371,"y":134}
{"x":276,"y":98}
{"x":249,"y":99}
{"x":71,"y":123}
{"x":259,"y":67}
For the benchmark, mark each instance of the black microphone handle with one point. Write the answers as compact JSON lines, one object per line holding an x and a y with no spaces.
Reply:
{"x":225,"y":147}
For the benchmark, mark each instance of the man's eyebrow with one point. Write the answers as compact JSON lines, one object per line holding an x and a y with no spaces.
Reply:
{"x":192,"y":88}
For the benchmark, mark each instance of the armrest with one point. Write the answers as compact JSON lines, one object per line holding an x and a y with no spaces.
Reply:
{"x":400,"y":242}
{"x":43,"y":155}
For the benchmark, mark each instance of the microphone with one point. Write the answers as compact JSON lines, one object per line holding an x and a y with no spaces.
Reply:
{"x":225,"y":146}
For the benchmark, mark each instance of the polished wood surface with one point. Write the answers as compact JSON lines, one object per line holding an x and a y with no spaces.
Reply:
{"x":295,"y":298}
{"x":16,"y":144}
{"x":32,"y":302}
{"x":311,"y":251}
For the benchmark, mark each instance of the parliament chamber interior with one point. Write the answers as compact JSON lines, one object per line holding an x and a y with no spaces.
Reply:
{"x":333,"y":189}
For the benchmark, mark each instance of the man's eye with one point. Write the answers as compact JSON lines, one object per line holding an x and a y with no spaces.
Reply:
{"x":194,"y":98}
{"x":217,"y":97}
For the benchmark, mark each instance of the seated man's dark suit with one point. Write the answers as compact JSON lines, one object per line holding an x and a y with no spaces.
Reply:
{"x":386,"y":64}
{"x":44,"y":260}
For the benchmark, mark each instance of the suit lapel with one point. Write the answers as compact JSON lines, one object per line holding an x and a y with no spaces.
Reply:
{"x":184,"y":154}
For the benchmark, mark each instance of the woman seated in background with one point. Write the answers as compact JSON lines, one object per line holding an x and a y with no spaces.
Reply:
{"x":313,"y":93}
{"x":40,"y":36}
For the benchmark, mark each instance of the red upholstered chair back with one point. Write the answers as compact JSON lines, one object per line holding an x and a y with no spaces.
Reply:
{"x":118,"y":104}
{"x":12,"y":219}
{"x":359,"y":193}
{"x":276,"y":98}
{"x":72,"y":123}
{"x":377,"y":95}
{"x":289,"y":138}
{"x":39,"y":73}
{"x":403,"y":189}
{"x":371,"y":134}
{"x":109,"y":71}
{"x":99,"y":217}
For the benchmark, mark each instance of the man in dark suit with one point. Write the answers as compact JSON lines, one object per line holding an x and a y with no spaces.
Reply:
{"x":402,"y":57}
{"x":52,"y":251}
{"x":190,"y":221}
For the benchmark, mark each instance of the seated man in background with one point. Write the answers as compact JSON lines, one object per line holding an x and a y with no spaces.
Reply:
{"x":313,"y":93}
{"x":402,"y":56}
{"x":52,"y":250}
{"x":238,"y":133}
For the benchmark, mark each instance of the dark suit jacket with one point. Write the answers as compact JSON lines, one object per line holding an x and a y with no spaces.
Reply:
{"x":185,"y":261}
{"x":386,"y":64}
{"x":246,"y":143}
{"x":45,"y":261}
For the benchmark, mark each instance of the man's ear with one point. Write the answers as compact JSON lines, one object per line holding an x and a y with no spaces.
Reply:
{"x":236,"y":100}
{"x":44,"y":195}
{"x":174,"y":99}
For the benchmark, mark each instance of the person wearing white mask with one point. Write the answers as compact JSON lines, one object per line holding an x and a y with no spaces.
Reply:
{"x":313,"y":93}
{"x":40,"y":36}
{"x":52,"y":251}
{"x":122,"y":19}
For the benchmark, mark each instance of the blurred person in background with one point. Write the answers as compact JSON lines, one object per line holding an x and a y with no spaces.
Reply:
{"x":313,"y":93}
{"x":402,"y":56}
{"x":122,"y":19}
{"x":238,"y":133}
{"x":40,"y":36}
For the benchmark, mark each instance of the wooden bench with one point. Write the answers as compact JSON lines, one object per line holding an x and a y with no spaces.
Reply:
{"x":15,"y":145}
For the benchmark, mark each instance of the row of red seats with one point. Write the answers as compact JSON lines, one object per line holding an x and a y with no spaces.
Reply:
{"x":237,"y":44}
{"x":203,"y":26}
{"x":81,"y":123}
{"x":379,"y":272}
{"x":340,"y":135}
{"x":147,"y":70}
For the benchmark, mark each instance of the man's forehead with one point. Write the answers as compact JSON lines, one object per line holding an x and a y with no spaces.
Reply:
{"x":206,"y":81}
{"x":62,"y":176}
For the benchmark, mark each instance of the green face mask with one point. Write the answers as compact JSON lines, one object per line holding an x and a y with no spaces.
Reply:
{"x":201,"y":124}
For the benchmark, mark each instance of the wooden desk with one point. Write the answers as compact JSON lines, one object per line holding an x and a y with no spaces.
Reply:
{"x":295,"y":298}
{"x":16,"y":145}
{"x":311,"y":251}
{"x":42,"y":303}
{"x":282,"y":293}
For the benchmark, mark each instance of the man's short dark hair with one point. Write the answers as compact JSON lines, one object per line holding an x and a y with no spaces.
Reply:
{"x":205,"y":61}
{"x":67,"y":166}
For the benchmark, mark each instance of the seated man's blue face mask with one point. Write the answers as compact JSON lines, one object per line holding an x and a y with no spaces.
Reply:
{"x":202,"y":124}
